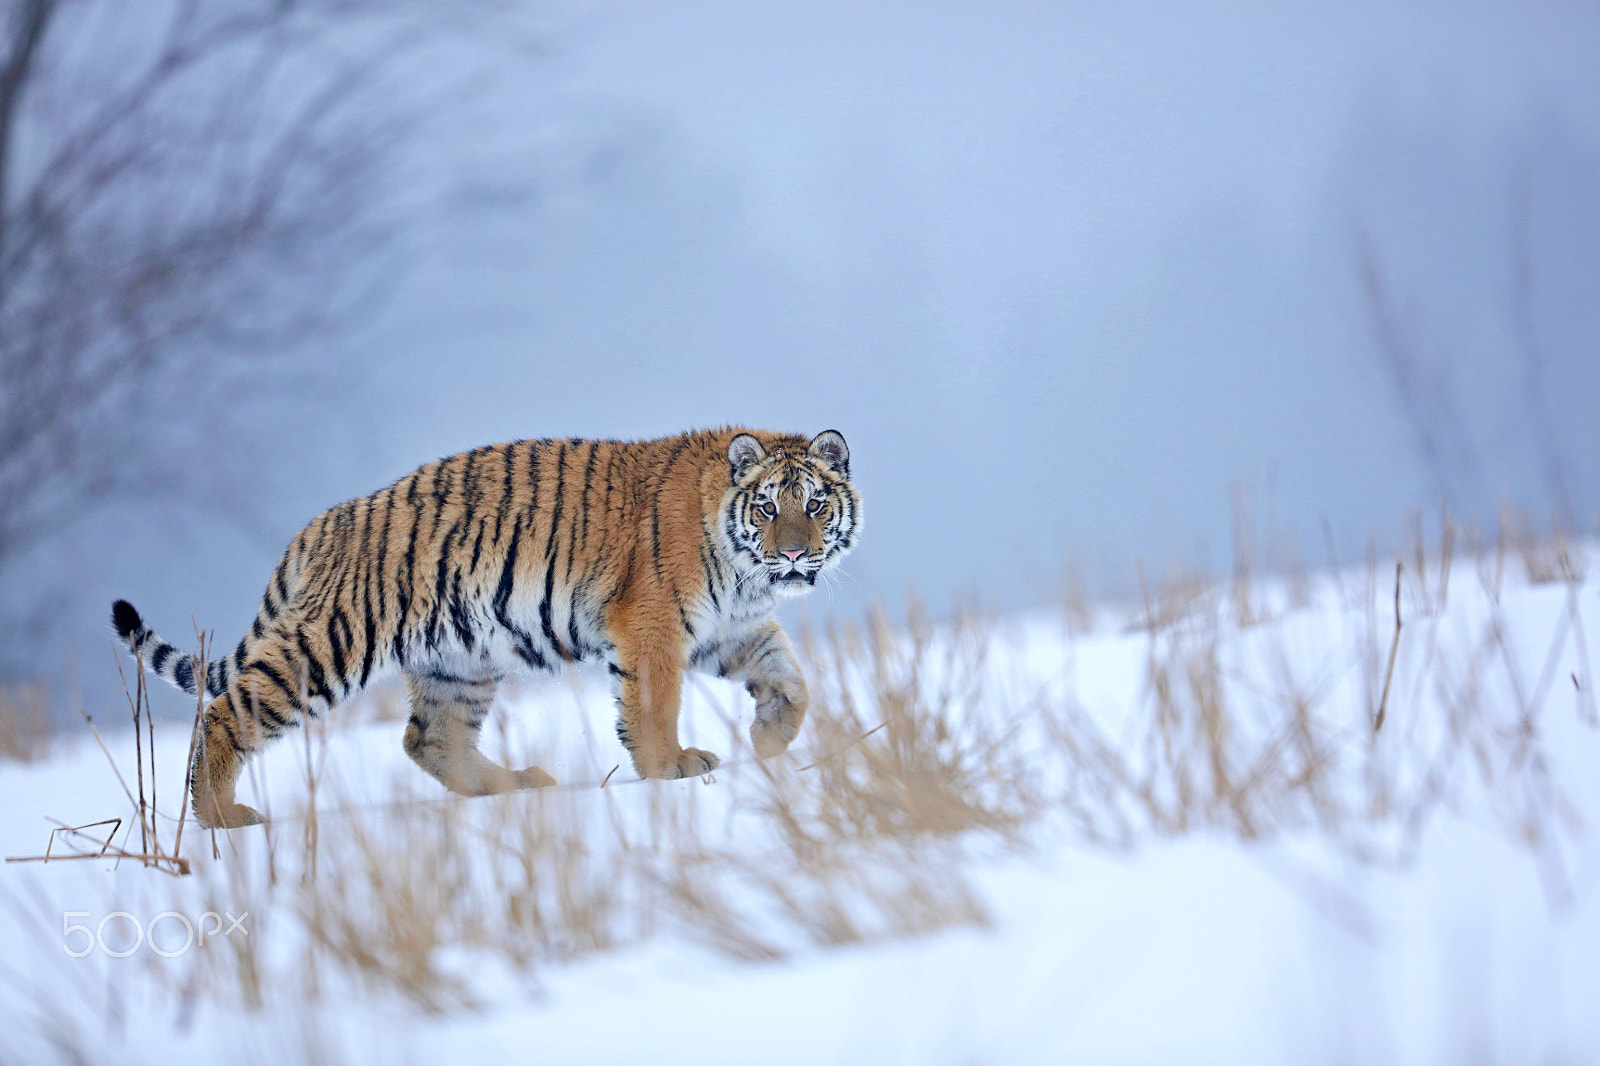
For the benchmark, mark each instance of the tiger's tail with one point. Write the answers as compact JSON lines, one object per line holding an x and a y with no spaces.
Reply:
{"x":164,"y":659}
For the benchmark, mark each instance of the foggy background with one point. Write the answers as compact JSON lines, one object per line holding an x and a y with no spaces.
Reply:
{"x":1065,"y":276}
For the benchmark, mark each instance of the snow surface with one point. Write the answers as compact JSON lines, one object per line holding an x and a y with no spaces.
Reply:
{"x":1189,"y":947}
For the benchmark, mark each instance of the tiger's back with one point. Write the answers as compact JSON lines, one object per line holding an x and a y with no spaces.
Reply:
{"x":651,"y":556}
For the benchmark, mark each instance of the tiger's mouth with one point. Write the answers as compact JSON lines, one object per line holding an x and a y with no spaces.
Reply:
{"x":795,"y":577}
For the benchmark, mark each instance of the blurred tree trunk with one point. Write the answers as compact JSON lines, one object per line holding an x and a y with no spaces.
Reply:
{"x":188,"y":193}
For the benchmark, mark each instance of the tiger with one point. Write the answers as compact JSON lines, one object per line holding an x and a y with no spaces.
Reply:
{"x":653,"y":557}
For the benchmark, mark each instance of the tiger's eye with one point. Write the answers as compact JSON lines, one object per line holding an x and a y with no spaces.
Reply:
{"x":769,"y":508}
{"x":814,"y":505}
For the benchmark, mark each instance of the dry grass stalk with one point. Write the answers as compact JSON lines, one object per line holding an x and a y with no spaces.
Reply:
{"x":1394,"y":650}
{"x":108,"y":849}
{"x":1244,"y":558}
{"x":1183,"y":596}
{"x":1213,"y":750}
{"x":150,"y":853}
{"x":1077,"y":612}
{"x":1547,"y":559}
{"x":25,"y":724}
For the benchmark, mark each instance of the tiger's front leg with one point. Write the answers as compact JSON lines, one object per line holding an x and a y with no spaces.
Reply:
{"x":649,"y":685}
{"x":766,"y":663}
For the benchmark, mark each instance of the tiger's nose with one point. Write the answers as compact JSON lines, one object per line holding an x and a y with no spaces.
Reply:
{"x":792,"y":554}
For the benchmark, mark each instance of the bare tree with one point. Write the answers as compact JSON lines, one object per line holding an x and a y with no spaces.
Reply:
{"x":185,"y":194}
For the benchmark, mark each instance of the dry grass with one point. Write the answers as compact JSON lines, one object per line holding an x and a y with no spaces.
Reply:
{"x":1547,"y":558}
{"x":920,"y":755}
{"x":1231,"y":738}
{"x":865,"y":839}
{"x":25,"y":726}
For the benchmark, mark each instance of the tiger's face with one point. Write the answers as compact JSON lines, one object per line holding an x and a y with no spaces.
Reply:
{"x":790,"y":515}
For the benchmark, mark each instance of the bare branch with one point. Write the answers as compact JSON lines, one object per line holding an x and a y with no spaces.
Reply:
{"x":177,"y":215}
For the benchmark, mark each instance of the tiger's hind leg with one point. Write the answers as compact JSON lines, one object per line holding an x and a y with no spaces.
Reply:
{"x":260,"y":704}
{"x":219,"y":757}
{"x":448,"y":707}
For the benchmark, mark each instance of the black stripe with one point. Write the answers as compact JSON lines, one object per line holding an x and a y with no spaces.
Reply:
{"x":550,"y":554}
{"x":374,"y":573}
{"x":443,"y":478}
{"x":222,"y":723}
{"x":588,"y":481}
{"x":283,"y":569}
{"x":655,"y":505}
{"x":183,"y":674}
{"x":522,"y":642}
{"x":363,"y":577}
{"x":338,"y":640}
{"x":708,"y":566}
{"x":159,"y":658}
{"x":505,"y":490}
{"x":572,"y":528}
{"x":436,"y":674}
{"x":655,"y":540}
{"x":260,"y":666}
{"x":528,"y":653}
{"x":469,"y":484}
{"x":314,"y":551}
{"x":316,"y":676}
{"x":343,"y":565}
{"x":460,"y":617}
{"x":403,"y":582}
{"x":533,"y":475}
{"x":274,"y":724}
{"x":441,"y":585}
{"x":544,"y":608}
{"x":381,"y":572}
{"x":575,"y":640}
{"x":710,"y":551}
{"x":371,"y":627}
{"x":470,"y":495}
{"x":502,"y":593}
{"x":325,"y":560}
{"x":364,"y":543}
{"x":477,"y":547}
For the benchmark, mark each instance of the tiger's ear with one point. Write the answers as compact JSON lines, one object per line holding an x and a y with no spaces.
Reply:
{"x":744,"y":451}
{"x":830,"y":447}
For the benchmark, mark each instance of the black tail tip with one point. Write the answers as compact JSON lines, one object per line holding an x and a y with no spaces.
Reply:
{"x":126,"y":619}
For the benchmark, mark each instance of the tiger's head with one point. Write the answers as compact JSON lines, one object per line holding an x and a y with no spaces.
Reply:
{"x":792,"y":511}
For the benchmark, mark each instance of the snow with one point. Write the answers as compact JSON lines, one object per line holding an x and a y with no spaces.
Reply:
{"x":1189,"y":946}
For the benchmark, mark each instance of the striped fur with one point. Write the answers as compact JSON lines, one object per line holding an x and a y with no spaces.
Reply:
{"x":649,"y":556}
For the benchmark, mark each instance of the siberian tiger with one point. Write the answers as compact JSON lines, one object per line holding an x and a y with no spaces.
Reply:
{"x":652,"y":557}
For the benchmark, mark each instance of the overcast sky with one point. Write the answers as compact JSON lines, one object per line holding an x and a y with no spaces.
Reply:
{"x":1063,"y":274}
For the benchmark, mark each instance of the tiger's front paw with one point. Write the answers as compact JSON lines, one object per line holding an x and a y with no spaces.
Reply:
{"x":533,"y":777}
{"x":694,"y":762}
{"x":772,"y":694}
{"x":776,"y":724}
{"x":690,"y":762}
{"x":771,"y":735}
{"x":226,"y":816}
